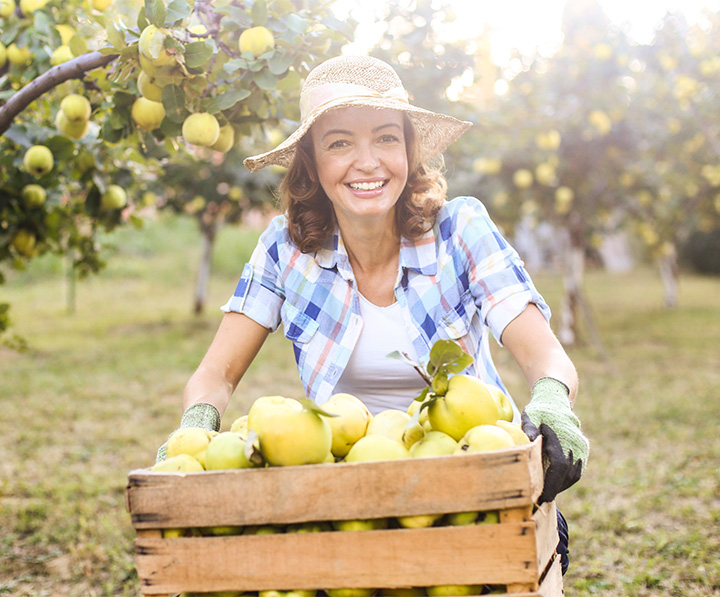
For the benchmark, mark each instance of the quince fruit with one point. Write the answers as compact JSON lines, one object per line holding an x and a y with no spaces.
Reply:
{"x":76,"y":107}
{"x":24,"y":242}
{"x":179,"y":463}
{"x":515,"y":431}
{"x":226,"y":451}
{"x":467,"y":403}
{"x":225,"y":140}
{"x":38,"y":160}
{"x":349,"y":425}
{"x":397,"y":425}
{"x":435,"y":443}
{"x":76,"y":129}
{"x":376,"y":447}
{"x":147,"y":114}
{"x":114,"y":197}
{"x":33,"y":195}
{"x":19,"y":56}
{"x":256,"y":40}
{"x":7,"y":8}
{"x":201,"y":129}
{"x":192,"y":441}
{"x":152,"y":46}
{"x":148,"y":88}
{"x":484,"y":438}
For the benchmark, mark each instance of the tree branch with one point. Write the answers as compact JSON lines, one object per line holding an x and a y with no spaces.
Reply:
{"x":72,"y":69}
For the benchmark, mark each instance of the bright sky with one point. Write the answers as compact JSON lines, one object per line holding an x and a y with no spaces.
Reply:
{"x":530,"y":24}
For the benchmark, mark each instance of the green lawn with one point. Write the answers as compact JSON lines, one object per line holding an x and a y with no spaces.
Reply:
{"x":99,"y":390}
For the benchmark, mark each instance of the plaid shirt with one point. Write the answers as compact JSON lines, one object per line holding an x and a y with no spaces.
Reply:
{"x":457,"y":281}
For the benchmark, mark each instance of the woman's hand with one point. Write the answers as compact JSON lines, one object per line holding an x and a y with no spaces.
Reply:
{"x":565,"y":448}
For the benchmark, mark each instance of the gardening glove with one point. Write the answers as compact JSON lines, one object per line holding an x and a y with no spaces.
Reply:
{"x":198,"y":415}
{"x":565,"y":448}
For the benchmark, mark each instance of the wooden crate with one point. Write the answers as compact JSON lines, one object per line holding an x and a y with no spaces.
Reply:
{"x":518,"y":552}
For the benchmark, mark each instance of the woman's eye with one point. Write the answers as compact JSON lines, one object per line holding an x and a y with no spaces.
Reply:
{"x":339,"y":144}
{"x":390,"y":139}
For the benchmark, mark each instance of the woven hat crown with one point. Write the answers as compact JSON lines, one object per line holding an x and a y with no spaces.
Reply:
{"x":358,"y":70}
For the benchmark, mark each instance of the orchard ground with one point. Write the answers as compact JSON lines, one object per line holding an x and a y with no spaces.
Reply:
{"x":99,"y":390}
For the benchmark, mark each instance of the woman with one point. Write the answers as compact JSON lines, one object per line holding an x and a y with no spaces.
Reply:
{"x":369,"y":258}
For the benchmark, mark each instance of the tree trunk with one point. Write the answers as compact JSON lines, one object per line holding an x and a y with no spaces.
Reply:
{"x":574,"y":302}
{"x":209,"y":231}
{"x":669,"y":274}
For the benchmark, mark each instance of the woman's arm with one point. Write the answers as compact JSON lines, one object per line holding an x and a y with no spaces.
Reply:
{"x":236,"y":344}
{"x":537,"y":351}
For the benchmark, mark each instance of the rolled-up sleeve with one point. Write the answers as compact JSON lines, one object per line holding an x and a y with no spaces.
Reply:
{"x":259,"y":294}
{"x":500,"y":284}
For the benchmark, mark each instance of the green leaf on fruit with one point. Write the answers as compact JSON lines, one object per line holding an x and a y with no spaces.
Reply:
{"x":259,"y":12}
{"x":448,"y":355}
{"x":116,"y":39}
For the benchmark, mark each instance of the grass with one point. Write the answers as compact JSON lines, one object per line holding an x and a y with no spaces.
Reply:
{"x":98,"y":391}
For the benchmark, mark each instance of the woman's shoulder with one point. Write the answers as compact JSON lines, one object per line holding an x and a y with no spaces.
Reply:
{"x":458,"y":213}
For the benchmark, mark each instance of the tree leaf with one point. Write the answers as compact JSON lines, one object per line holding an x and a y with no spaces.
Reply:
{"x":226,"y":100}
{"x":279,"y":63}
{"x":197,"y":53}
{"x":265,"y":80}
{"x":176,"y":11}
{"x":259,"y":12}
{"x":116,"y":39}
{"x":312,"y":407}
{"x":173,"y":100}
{"x":155,"y":12}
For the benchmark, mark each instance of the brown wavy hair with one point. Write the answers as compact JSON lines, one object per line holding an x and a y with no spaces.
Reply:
{"x":311,"y":218}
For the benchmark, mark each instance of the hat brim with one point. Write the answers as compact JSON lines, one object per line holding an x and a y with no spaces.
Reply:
{"x":435,"y":131}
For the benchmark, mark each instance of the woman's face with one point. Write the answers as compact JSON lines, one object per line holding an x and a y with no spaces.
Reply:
{"x":361,"y":161}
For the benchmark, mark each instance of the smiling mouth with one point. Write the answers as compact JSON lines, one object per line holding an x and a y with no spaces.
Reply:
{"x":367,"y":186}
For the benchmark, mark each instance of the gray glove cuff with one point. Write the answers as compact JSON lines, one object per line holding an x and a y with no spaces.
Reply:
{"x":201,"y":415}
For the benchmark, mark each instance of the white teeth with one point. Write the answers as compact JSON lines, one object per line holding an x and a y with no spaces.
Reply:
{"x":366,"y":186}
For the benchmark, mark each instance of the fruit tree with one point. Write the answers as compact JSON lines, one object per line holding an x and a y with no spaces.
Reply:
{"x":99,"y":99}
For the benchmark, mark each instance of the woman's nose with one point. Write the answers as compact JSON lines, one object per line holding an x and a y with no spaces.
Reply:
{"x":366,"y":158}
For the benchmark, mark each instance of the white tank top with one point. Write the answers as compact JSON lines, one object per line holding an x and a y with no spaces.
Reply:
{"x":381,"y":382}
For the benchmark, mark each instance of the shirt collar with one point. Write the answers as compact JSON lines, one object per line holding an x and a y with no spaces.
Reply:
{"x":419,"y":255}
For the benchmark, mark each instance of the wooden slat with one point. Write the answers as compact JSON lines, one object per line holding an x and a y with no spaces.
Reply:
{"x":552,"y":585}
{"x":486,"y":481}
{"x":482,"y":554}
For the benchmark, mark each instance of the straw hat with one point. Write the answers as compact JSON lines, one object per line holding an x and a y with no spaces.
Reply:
{"x":361,"y":81}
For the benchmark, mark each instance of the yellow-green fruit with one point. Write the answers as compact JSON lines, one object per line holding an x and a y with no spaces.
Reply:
{"x":240,"y":426}
{"x":38,"y":160}
{"x":396,"y":424}
{"x":365,"y":524}
{"x":114,"y":197}
{"x":33,"y":195}
{"x":27,"y":7}
{"x":489,"y":517}
{"x":415,"y":405}
{"x":225,"y":451}
{"x":147,"y":88}
{"x":19,"y":56}
{"x":225,"y":140}
{"x":435,"y":443}
{"x":24,"y":242}
{"x":505,"y":409}
{"x":147,"y":66}
{"x":403,"y":592}
{"x":484,"y":438}
{"x":192,"y":441}
{"x":290,"y":437}
{"x":455,"y":590}
{"x":350,"y":592}
{"x":350,"y":423}
{"x":152,"y":46}
{"x":256,"y":40}
{"x":180,"y":463}
{"x":76,"y":107}
{"x":201,"y":129}
{"x":61,"y":54}
{"x":76,"y":129}
{"x":101,"y":5}
{"x":66,"y":33}
{"x":7,"y":7}
{"x":515,"y":431}
{"x":419,"y":521}
{"x":3,"y":54}
{"x":376,"y":447}
{"x":467,"y":403}
{"x":460,"y":519}
{"x":147,"y":114}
